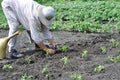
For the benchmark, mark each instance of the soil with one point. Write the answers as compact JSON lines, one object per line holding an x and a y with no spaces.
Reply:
{"x":56,"y":69}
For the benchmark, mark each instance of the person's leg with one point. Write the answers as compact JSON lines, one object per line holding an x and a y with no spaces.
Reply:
{"x":13,"y":26}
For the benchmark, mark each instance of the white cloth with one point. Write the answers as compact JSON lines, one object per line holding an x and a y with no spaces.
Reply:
{"x":26,"y":12}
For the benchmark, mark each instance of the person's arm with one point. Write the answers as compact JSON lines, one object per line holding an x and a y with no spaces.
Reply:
{"x":36,"y":36}
{"x":48,"y":36}
{"x":43,"y":47}
{"x":52,"y":43}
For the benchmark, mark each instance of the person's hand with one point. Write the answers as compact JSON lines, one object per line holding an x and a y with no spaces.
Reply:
{"x":54,"y":46}
{"x":52,"y":43}
{"x":50,"y":51}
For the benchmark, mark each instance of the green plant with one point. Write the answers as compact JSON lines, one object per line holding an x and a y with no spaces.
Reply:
{"x":96,"y":16}
{"x":84,"y":53}
{"x":7,"y":67}
{"x":99,"y":68}
{"x":115,"y":43}
{"x":114,"y":59}
{"x":27,"y":77}
{"x":47,"y":54}
{"x":111,"y":58}
{"x":76,"y":76}
{"x":103,"y":49}
{"x":28,"y":59}
{"x":45,"y":69}
{"x":64,"y":48}
{"x":65,"y":61}
{"x":91,"y":16}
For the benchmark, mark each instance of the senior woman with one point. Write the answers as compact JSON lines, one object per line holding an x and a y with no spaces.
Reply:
{"x":36,"y":19}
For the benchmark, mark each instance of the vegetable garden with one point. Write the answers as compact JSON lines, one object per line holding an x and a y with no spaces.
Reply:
{"x":87,"y":34}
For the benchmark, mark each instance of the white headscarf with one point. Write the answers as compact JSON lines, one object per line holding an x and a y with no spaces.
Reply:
{"x":44,"y":12}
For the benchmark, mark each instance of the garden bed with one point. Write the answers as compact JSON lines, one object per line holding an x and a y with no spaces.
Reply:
{"x":84,"y":52}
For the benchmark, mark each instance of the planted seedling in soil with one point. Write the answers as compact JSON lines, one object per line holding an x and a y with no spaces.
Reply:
{"x":99,"y":68}
{"x":64,"y":48}
{"x":76,"y":76}
{"x":44,"y":71}
{"x":28,"y":59}
{"x":65,"y":61}
{"x":115,"y":43}
{"x":27,"y":77}
{"x":111,"y":58}
{"x":84,"y":54}
{"x":7,"y":67}
{"x":47,"y":54}
{"x":103,"y":49}
{"x":114,"y":59}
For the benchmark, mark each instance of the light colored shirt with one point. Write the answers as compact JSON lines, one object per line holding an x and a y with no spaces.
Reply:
{"x":27,"y":13}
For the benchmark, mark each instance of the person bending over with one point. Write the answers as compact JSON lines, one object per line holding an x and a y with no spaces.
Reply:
{"x":36,"y":19}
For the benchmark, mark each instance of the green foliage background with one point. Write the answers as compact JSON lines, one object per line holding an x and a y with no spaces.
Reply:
{"x":81,"y":15}
{"x":100,"y":16}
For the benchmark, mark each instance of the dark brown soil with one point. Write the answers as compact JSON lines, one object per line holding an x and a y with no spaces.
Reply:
{"x":56,"y":70}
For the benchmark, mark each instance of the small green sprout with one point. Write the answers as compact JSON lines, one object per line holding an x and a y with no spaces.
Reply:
{"x":7,"y":67}
{"x":47,"y":54}
{"x":27,"y":77}
{"x":115,"y":43}
{"x":45,"y":69}
{"x":76,"y":76}
{"x":28,"y":59}
{"x":65,"y":61}
{"x":114,"y":59}
{"x":111,"y":58}
{"x":64,"y":48}
{"x":103,"y":49}
{"x":84,"y":53}
{"x":99,"y":68}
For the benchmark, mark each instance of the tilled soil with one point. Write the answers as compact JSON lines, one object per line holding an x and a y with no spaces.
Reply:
{"x":52,"y":67}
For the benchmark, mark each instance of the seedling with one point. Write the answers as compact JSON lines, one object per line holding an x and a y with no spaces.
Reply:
{"x":7,"y":67}
{"x":27,"y":77}
{"x":111,"y":58}
{"x":45,"y":69}
{"x":84,"y":53}
{"x":99,"y":68}
{"x":47,"y":54}
{"x":28,"y":59}
{"x":64,"y":48}
{"x":103,"y":49}
{"x":115,"y":43}
{"x":115,"y":59}
{"x":65,"y":60}
{"x":76,"y":76}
